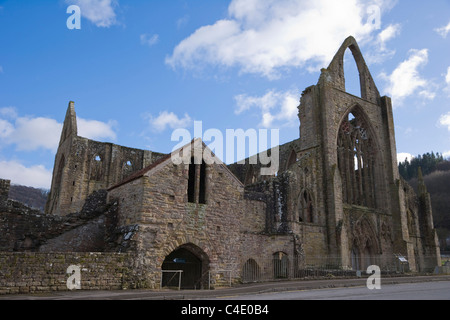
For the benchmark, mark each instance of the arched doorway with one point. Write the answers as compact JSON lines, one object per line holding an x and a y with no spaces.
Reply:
{"x":250,"y":271}
{"x":194,"y":263}
{"x":280,"y":265}
{"x":356,"y":259}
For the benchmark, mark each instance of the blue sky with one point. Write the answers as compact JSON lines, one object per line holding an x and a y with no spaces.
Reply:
{"x":137,"y":70}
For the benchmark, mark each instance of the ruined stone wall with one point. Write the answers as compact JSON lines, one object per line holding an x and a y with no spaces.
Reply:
{"x":83,"y":166}
{"x":91,"y":229}
{"x":4,"y":191}
{"x":250,"y":172}
{"x":26,"y":272}
{"x":91,"y":166}
{"x":166,"y":220}
{"x":23,"y":230}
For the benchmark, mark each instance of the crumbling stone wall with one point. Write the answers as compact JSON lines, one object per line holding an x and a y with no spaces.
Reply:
{"x":4,"y":191}
{"x":83,"y":166}
{"x":26,"y":272}
{"x":91,"y":229}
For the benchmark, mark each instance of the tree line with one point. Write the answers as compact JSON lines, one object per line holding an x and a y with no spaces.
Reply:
{"x":429,"y":162}
{"x":436,"y":175}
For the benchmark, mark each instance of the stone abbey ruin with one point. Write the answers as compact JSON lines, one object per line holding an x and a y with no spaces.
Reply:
{"x":131,"y":218}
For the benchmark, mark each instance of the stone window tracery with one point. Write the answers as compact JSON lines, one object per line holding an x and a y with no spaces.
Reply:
{"x":355,"y":152}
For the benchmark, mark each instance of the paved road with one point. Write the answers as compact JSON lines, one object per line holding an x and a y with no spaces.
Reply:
{"x":407,"y":291}
{"x":429,"y":287}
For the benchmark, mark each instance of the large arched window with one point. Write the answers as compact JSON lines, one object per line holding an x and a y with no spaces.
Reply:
{"x":356,"y":155}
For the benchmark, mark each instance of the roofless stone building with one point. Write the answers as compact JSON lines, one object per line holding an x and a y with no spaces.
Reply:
{"x":337,"y":195}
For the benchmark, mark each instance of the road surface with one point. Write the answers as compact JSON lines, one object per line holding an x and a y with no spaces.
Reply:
{"x":408,"y":291}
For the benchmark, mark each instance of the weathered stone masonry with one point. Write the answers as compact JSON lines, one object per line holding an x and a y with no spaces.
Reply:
{"x":337,"y":196}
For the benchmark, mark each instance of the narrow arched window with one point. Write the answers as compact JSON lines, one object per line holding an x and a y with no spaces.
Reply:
{"x":306,"y":207}
{"x":191,"y":181}
{"x":292,"y":159}
{"x":197,"y":181}
{"x":356,"y":155}
{"x":96,"y":168}
{"x":127,"y":169}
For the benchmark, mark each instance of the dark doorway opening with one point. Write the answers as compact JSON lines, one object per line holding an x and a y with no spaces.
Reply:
{"x":193,"y":266}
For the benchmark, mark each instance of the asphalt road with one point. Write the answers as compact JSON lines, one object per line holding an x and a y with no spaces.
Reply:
{"x":406,"y":291}
{"x":407,"y":288}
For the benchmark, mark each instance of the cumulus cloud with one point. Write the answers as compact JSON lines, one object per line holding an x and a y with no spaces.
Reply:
{"x":96,"y":130}
{"x":379,"y":50}
{"x":443,"y":31}
{"x":444,"y":120}
{"x":167,"y":119}
{"x":275,"y":107}
{"x":402,"y":156}
{"x":35,"y":176}
{"x":405,"y":80}
{"x":99,"y":12}
{"x":33,"y":133}
{"x":264,"y":37}
{"x":388,"y":33}
{"x":30,"y":134}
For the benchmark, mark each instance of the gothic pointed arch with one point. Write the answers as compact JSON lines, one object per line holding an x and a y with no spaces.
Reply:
{"x":369,"y":90}
{"x":291,"y":159}
{"x":306,"y":207}
{"x":365,"y":239}
{"x":357,"y":158}
{"x":192,"y":261}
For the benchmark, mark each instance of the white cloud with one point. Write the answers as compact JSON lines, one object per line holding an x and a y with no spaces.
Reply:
{"x":263,"y":37}
{"x":405,"y":80}
{"x":96,"y":130}
{"x":402,"y":156}
{"x":149,"y":40}
{"x":444,"y":120}
{"x":380,"y":51}
{"x":35,"y":176}
{"x":99,"y":12}
{"x":447,"y":81}
{"x":388,"y":33}
{"x":443,"y":31}
{"x":30,"y":134}
{"x":6,"y":128}
{"x":447,"y":76}
{"x":446,"y":155}
{"x":169,"y":119}
{"x":274,"y":106}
